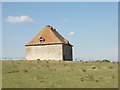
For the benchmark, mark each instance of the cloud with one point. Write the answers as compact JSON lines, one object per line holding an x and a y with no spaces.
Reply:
{"x":19,"y":19}
{"x":71,"y":33}
{"x":65,"y":19}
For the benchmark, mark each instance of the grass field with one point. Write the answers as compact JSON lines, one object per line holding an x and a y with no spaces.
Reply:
{"x":59,"y":74}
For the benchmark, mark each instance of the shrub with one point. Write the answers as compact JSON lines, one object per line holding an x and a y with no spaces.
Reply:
{"x":82,"y":79}
{"x":47,"y":66}
{"x":9,"y":72}
{"x":110,"y":67}
{"x":25,"y":71}
{"x":47,"y":62}
{"x":93,"y":67}
{"x":65,"y":64}
{"x":96,"y":80}
{"x":84,"y":70}
{"x":113,"y":77}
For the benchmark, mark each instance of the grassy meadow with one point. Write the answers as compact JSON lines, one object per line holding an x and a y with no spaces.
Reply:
{"x":59,"y":74}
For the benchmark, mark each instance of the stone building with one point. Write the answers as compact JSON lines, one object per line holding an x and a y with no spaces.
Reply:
{"x":48,"y":45}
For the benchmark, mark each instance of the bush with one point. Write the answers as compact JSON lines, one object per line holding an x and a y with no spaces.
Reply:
{"x":84,"y":70}
{"x":93,"y":67}
{"x":25,"y":71}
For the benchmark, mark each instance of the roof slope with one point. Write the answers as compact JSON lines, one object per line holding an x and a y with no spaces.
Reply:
{"x":50,"y":36}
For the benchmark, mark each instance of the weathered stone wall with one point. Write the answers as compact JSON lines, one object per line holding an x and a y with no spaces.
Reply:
{"x":67,"y":53}
{"x":44,"y":52}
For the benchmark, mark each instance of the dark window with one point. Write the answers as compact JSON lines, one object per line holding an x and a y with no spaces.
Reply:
{"x":42,"y":39}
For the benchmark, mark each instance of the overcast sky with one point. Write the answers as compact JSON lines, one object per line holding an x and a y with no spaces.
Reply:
{"x":92,"y":28}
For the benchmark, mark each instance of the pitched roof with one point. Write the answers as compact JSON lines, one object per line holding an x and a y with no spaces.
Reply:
{"x":48,"y":35}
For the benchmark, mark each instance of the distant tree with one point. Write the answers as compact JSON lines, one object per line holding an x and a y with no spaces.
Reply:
{"x":38,"y":59}
{"x":105,"y":60}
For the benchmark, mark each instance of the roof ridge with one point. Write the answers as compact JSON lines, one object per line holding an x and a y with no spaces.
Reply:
{"x":59,"y":36}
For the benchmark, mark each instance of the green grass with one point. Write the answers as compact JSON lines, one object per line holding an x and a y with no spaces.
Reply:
{"x":59,"y":74}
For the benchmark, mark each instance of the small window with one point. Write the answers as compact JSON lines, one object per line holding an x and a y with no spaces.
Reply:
{"x":42,"y":39}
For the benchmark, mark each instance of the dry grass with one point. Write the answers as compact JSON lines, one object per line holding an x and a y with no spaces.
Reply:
{"x":59,"y":74}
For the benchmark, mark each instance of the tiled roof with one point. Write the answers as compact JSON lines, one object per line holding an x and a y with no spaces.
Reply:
{"x":48,"y":35}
